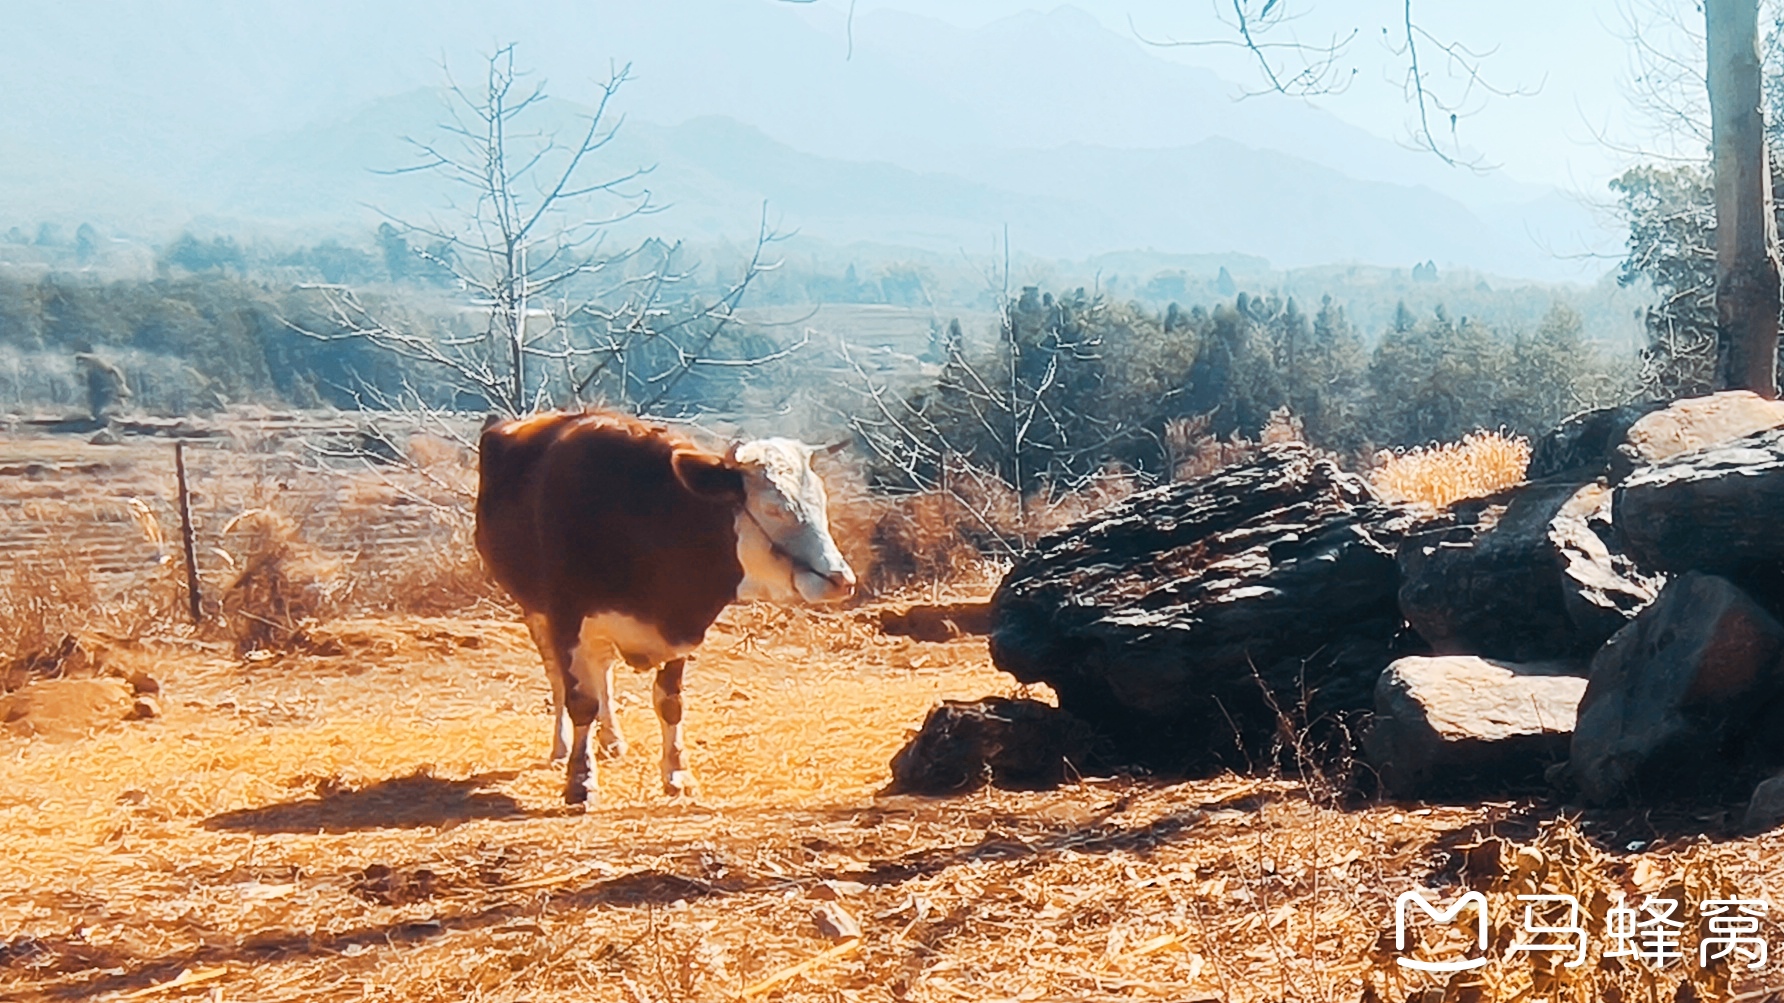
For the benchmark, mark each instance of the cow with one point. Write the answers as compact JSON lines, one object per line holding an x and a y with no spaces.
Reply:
{"x":621,"y":539}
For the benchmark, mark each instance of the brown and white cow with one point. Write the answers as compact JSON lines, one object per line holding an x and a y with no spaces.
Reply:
{"x":624,"y":540}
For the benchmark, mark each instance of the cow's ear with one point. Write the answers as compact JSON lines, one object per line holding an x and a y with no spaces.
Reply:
{"x":707,"y":476}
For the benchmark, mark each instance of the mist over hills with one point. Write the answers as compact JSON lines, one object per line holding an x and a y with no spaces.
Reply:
{"x":1080,"y":139}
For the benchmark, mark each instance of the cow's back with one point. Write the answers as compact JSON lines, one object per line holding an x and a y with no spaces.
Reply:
{"x":582,"y":513}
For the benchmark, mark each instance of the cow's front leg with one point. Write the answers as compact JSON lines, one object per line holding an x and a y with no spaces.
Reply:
{"x":613,"y":744}
{"x":666,"y":694}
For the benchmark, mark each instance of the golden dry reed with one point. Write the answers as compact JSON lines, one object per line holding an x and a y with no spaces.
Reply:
{"x":1442,"y":474}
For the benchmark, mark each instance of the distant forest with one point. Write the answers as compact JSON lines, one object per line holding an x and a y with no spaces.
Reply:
{"x":1108,"y":368}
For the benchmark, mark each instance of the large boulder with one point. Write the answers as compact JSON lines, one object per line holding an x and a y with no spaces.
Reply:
{"x":1191,"y":623}
{"x":1461,"y":724}
{"x":1539,"y":577}
{"x":1712,"y":510}
{"x":1692,"y":424}
{"x":1679,"y":701}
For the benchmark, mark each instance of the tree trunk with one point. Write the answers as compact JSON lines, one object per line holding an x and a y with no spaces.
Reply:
{"x":1747,"y":295}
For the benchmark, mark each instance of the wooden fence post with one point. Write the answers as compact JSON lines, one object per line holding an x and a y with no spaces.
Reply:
{"x":193,"y":597}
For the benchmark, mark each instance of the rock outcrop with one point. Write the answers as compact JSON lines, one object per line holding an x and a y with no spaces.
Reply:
{"x":1011,"y":743}
{"x":1459,"y":724}
{"x":1693,"y":423}
{"x":1191,"y":622}
{"x":1679,"y":700}
{"x":1713,"y":510}
{"x":1539,"y":577}
{"x":1616,"y":441}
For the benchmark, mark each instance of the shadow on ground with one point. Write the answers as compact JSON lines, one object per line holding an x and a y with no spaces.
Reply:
{"x":412,"y":802}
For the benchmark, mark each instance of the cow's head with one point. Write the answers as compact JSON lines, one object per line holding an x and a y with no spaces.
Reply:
{"x":783,"y":523}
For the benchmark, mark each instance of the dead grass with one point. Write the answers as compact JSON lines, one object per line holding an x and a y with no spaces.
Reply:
{"x":378,"y":823}
{"x":370,"y":817}
{"x":1442,"y":474}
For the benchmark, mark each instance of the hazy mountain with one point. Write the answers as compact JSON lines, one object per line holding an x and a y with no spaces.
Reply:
{"x":714,"y":174}
{"x":1080,"y":138}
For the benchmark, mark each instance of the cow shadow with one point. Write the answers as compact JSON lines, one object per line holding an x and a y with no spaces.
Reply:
{"x":412,"y":802}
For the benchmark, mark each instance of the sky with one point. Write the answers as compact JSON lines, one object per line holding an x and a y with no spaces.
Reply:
{"x":164,"y":94}
{"x":1568,"y":64}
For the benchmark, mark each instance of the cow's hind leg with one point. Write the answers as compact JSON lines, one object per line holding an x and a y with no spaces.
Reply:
{"x":613,"y":744}
{"x":540,"y":627}
{"x":666,"y":694}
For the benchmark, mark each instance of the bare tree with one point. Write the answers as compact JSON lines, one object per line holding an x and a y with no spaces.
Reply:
{"x":1443,"y":78}
{"x":1747,"y":294}
{"x":1004,"y":427}
{"x":564,"y":322}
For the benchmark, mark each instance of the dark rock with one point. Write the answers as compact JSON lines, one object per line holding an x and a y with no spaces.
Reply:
{"x":1539,"y":578}
{"x":1011,"y":743}
{"x":1674,"y":698}
{"x":1460,"y":724}
{"x":1583,"y":445}
{"x":1713,"y":510}
{"x":1193,"y":621}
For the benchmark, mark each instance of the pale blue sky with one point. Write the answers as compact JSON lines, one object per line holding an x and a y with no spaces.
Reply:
{"x":175,"y":94}
{"x":1575,"y":55}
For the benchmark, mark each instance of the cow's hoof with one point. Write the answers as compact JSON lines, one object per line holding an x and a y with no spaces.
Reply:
{"x":575,"y":793}
{"x":678,"y":783}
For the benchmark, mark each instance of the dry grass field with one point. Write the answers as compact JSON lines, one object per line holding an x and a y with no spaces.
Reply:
{"x":367,"y":815}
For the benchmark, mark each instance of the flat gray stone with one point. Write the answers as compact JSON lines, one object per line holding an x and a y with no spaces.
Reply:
{"x":1460,"y":723}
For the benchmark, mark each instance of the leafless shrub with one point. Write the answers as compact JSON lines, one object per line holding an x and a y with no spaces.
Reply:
{"x":1194,"y":451}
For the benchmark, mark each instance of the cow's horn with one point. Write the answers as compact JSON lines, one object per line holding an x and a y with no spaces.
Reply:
{"x":731,"y":452}
{"x":836,"y":447}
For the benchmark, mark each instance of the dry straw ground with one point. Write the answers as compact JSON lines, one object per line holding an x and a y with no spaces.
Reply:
{"x":369,"y":817}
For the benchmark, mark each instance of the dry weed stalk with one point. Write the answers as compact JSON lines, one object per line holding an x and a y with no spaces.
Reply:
{"x":1195,"y":452}
{"x":1442,"y":474}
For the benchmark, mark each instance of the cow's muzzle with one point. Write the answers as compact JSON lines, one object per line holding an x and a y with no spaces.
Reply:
{"x":815,"y":587}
